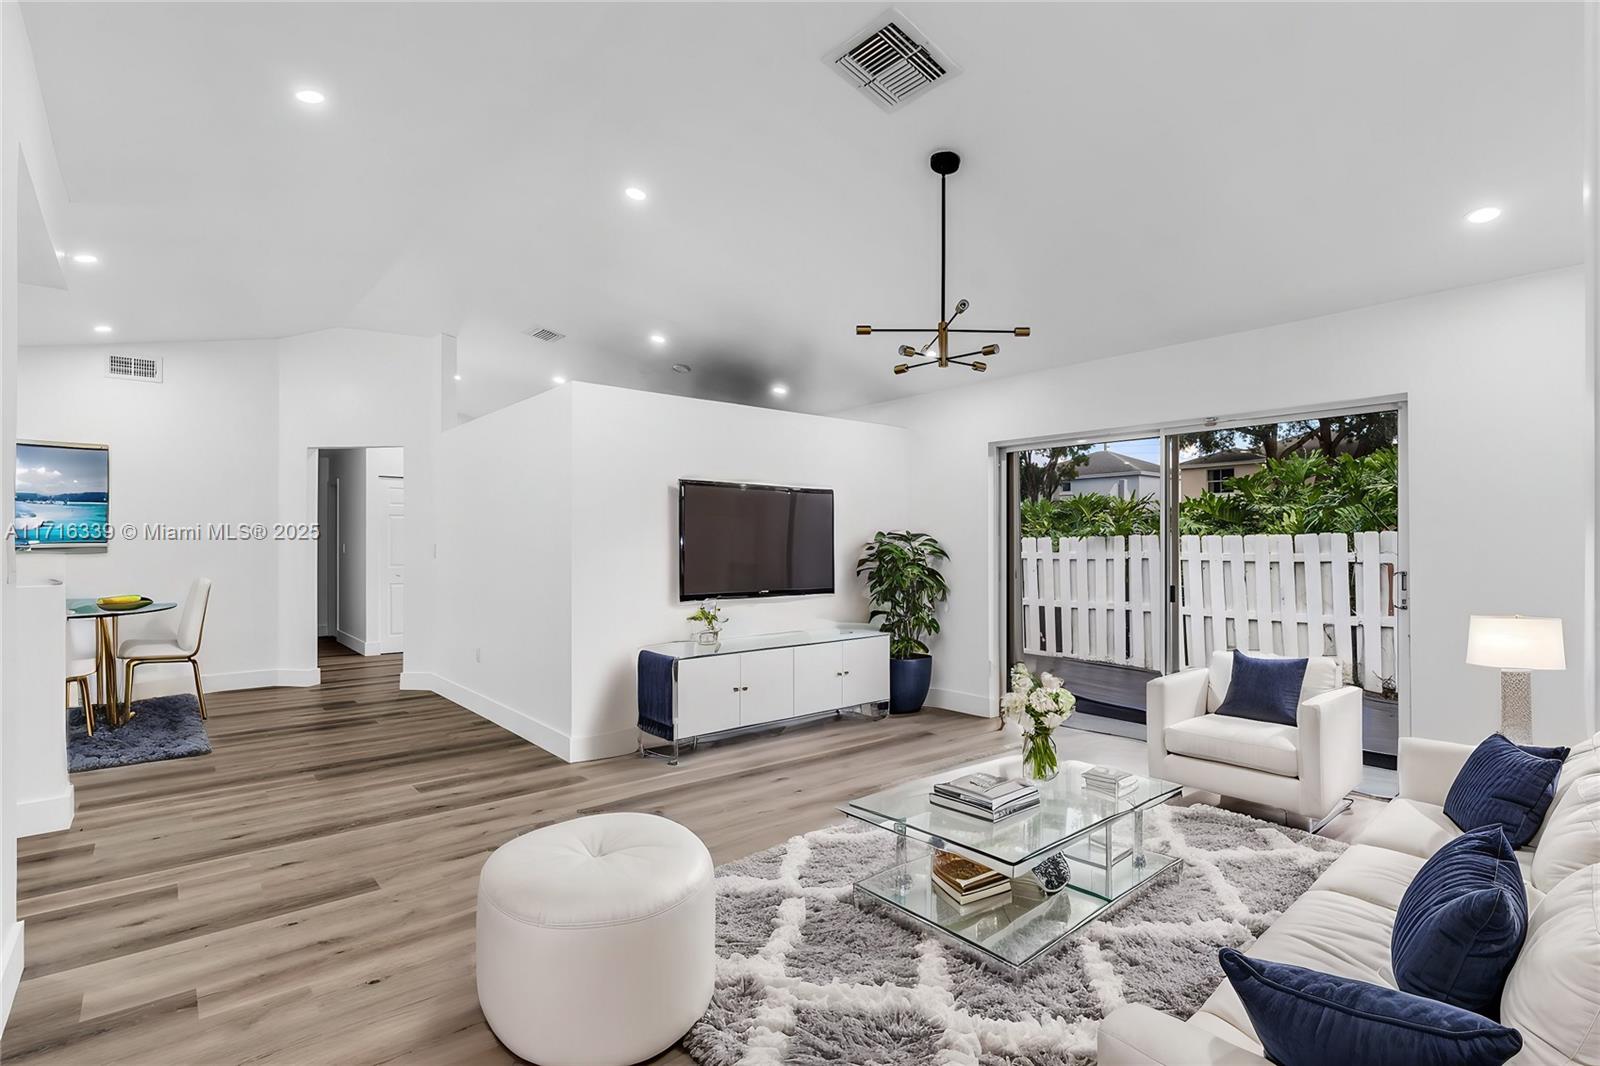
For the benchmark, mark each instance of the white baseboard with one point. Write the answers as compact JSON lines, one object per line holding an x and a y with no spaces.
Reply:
{"x":44,"y":814}
{"x":604,"y":745}
{"x":528,"y":728}
{"x":416,"y":680}
{"x":356,"y":644}
{"x":963,"y":702}
{"x":10,"y":969}
{"x":392,"y":646}
{"x":166,"y":680}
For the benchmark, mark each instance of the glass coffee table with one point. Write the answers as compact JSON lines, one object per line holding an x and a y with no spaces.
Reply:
{"x":1100,"y":837}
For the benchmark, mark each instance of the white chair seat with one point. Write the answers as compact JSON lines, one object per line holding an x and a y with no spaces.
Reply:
{"x":150,"y":649}
{"x":81,"y":668}
{"x":1274,"y":749}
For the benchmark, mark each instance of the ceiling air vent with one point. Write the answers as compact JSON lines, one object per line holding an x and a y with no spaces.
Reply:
{"x":539,"y":333}
{"x":892,"y":62}
{"x":133,"y":367}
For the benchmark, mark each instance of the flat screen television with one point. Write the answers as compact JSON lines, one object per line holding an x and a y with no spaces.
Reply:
{"x":63,"y":496}
{"x":753,"y":540}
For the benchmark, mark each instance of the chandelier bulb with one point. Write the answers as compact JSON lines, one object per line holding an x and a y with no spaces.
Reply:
{"x":1022,"y":331}
{"x":991,"y":349}
{"x":908,"y":351}
{"x":980,"y":367}
{"x":901,"y":368}
{"x":862,"y":331}
{"x":961,"y":305}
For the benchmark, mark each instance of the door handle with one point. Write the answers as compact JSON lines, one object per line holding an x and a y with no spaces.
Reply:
{"x":847,"y":673}
{"x":745,"y":689}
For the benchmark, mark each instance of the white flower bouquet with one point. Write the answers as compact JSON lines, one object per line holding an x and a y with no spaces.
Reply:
{"x":1038,"y":705}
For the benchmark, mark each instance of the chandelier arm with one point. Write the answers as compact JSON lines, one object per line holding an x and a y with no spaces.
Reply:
{"x":1006,"y":331}
{"x":917,"y":329}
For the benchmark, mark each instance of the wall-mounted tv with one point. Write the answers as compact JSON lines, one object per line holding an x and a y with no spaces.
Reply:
{"x":63,"y":496}
{"x":753,"y":540}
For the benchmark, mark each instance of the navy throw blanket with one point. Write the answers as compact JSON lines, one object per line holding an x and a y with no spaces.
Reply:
{"x":655,"y":694}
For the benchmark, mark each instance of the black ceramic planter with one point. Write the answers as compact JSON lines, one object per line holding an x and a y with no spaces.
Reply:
{"x":908,"y":683}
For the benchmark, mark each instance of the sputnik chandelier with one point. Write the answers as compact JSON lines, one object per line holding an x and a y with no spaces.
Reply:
{"x":944,"y":164}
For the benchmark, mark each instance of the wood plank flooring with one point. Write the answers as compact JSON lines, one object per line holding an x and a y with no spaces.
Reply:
{"x":306,"y":893}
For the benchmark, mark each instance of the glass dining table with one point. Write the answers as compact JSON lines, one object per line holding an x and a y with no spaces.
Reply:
{"x":105,"y":648}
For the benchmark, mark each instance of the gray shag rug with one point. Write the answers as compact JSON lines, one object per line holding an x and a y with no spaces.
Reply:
{"x":804,"y":977}
{"x":166,"y":727}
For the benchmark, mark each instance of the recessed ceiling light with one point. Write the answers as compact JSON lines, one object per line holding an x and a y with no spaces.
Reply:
{"x":310,"y":96}
{"x":458,"y":377}
{"x":1482,"y":215}
{"x":681,"y":368}
{"x":85,"y":258}
{"x":780,"y":389}
{"x":558,"y":380}
{"x":658,"y":338}
{"x":60,"y":254}
{"x":633,"y":192}
{"x":102,"y":329}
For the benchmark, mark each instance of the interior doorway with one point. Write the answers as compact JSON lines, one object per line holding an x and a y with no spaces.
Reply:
{"x":361,"y":549}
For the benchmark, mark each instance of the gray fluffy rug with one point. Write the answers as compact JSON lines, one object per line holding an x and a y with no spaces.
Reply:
{"x":166,"y":727}
{"x":805,"y":978}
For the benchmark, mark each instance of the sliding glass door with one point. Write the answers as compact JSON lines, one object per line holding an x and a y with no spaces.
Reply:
{"x":1148,"y":554}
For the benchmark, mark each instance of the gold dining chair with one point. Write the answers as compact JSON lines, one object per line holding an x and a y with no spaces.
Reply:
{"x":79,"y":671}
{"x":170,"y":647}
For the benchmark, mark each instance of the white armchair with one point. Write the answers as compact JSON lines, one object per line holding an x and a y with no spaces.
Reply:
{"x":1305,"y":769}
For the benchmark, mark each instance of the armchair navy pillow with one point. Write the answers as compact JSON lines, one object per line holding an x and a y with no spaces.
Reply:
{"x":1264,"y":690}
{"x":1306,"y":1018}
{"x":1461,"y":922}
{"x":1502,"y":784}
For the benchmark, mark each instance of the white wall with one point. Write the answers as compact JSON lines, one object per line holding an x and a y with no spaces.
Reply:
{"x":1499,"y":456}
{"x":558,"y":544}
{"x":505,"y":569}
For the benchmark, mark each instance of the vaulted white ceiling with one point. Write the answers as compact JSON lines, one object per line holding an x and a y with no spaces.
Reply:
{"x":1133,"y":175}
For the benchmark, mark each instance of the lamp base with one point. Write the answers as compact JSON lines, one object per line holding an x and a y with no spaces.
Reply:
{"x":1516,"y":705}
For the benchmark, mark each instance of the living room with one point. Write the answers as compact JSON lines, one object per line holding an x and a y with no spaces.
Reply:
{"x":756,"y":694}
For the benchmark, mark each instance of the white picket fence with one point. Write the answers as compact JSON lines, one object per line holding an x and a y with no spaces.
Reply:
{"x":1101,"y":599}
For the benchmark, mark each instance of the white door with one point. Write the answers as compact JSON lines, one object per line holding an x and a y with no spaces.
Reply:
{"x":866,"y":670}
{"x":818,"y":678}
{"x":708,"y":694}
{"x":766,"y":686}
{"x":394,"y":564}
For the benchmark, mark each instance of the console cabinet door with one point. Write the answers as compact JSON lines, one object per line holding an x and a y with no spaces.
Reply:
{"x":766,"y":686}
{"x":818,"y":678}
{"x":708,"y":694}
{"x":866,"y":670}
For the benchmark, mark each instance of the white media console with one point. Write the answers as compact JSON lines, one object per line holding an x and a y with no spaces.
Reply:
{"x":748,"y":682}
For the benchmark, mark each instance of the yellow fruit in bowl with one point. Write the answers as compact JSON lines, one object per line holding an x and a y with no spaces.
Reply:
{"x":117,"y":601}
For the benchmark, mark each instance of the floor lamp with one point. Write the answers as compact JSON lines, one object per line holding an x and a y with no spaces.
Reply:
{"x":1516,"y":646}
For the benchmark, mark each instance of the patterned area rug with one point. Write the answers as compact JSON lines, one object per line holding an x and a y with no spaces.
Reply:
{"x":166,"y":727}
{"x":804,"y":977}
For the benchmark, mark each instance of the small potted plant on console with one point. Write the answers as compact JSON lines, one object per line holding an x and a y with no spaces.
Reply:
{"x":711,"y":618}
{"x":905,"y":589}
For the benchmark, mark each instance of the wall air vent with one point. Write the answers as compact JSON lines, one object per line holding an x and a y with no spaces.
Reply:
{"x":134,"y":367}
{"x":892,"y":62}
{"x":539,"y":333}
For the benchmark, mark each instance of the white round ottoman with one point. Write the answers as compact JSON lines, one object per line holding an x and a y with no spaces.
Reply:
{"x":596,"y":939}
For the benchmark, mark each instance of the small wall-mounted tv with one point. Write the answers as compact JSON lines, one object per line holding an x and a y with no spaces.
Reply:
{"x":753,"y":540}
{"x":63,"y":496}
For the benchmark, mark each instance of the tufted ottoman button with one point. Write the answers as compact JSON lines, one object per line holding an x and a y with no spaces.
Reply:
{"x":596,"y":939}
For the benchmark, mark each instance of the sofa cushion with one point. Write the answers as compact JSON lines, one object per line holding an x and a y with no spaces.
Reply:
{"x":1376,"y":875}
{"x":1323,"y":674}
{"x":1326,"y":931}
{"x":1264,"y":690}
{"x":1461,"y":922}
{"x":1500,"y":784}
{"x":1553,"y":993}
{"x":1411,"y":826}
{"x":1307,"y":1018}
{"x":1237,"y":742}
{"x":1571,"y":836}
{"x":1581,"y":762}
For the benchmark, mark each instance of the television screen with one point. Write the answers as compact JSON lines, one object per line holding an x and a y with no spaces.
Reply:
{"x":753,"y":540}
{"x":63,"y":495}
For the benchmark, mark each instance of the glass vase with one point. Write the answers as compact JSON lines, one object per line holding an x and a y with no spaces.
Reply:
{"x":1039,"y":756}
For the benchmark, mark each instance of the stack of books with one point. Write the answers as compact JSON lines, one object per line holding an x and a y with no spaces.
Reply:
{"x":985,"y":796}
{"x":1110,"y":782}
{"x":966,"y":881}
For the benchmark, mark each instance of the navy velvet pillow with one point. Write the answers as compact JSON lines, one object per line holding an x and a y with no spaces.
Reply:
{"x":1461,"y":923}
{"x":1264,"y":690}
{"x":1306,"y":1018}
{"x":1501,"y":784}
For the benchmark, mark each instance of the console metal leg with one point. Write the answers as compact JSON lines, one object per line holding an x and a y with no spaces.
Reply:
{"x":651,"y":753}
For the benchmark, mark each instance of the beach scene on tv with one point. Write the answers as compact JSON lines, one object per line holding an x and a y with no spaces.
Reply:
{"x":63,"y":494}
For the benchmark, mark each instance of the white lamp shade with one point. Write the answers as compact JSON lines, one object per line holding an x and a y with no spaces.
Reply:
{"x":1512,"y":642}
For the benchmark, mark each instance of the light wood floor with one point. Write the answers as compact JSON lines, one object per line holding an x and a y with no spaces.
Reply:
{"x":305,"y":894}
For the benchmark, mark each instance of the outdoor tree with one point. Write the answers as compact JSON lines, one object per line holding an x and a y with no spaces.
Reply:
{"x":1356,"y":435}
{"x":1041,"y":473}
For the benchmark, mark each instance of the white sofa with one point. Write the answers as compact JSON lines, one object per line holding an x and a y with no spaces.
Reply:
{"x":1305,"y":769}
{"x":1342,"y":925}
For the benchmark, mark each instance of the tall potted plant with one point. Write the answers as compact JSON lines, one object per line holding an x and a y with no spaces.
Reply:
{"x":905,"y":589}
